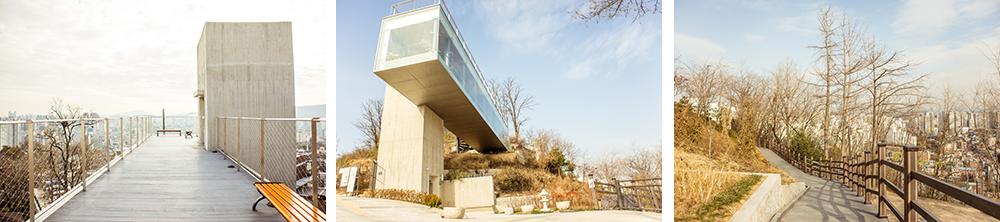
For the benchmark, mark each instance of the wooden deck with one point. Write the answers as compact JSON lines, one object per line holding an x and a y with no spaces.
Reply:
{"x":169,"y":179}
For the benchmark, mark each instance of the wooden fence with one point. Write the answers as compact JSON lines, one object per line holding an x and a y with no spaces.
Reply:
{"x":866,"y":174}
{"x":638,"y":195}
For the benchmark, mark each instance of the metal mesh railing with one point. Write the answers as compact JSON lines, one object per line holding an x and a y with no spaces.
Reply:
{"x":43,"y":163}
{"x":278,"y":150}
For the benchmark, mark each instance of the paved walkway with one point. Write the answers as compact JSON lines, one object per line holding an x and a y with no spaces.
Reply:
{"x":370,"y":209}
{"x":169,"y":178}
{"x":826,"y":200}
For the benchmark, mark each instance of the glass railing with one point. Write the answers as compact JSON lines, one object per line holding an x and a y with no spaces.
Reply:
{"x":429,"y":33}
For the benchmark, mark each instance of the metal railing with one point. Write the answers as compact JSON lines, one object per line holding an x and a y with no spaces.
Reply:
{"x":866,"y":174}
{"x":461,"y":40}
{"x":638,"y":194}
{"x":287,"y":150}
{"x":44,"y":163}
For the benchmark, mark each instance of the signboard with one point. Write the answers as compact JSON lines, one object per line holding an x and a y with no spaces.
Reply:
{"x":352,"y":177}
{"x":343,"y":176}
{"x":590,"y":183}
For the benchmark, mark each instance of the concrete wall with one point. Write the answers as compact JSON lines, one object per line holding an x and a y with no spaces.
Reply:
{"x":768,"y":199}
{"x":471,"y":192}
{"x":410,"y":155}
{"x":245,"y":69}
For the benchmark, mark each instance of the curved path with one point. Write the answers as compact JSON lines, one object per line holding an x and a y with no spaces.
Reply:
{"x":826,"y":200}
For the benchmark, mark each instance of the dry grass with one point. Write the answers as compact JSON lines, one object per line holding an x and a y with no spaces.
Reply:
{"x":697,"y":176}
{"x":476,"y":161}
{"x":693,"y":188}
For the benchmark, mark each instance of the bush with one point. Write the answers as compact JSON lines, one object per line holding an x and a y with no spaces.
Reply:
{"x":412,"y":196}
{"x":432,"y":200}
{"x":513,"y":180}
{"x":803,"y":144}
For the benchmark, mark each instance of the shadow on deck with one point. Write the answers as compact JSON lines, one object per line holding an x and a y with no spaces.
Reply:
{"x":169,"y":178}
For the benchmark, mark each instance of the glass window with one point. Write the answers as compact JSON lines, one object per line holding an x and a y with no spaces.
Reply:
{"x":410,"y":40}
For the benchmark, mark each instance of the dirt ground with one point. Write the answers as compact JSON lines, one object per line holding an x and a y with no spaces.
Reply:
{"x":945,"y":211}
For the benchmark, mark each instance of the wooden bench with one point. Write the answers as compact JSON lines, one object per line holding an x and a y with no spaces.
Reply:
{"x":165,"y":131}
{"x":291,"y":206}
{"x":188,"y":134}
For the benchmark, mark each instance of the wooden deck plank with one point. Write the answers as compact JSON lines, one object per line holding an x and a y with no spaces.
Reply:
{"x":165,"y":179}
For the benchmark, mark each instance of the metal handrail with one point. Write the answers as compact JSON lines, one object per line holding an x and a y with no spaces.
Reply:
{"x":258,"y":173}
{"x":139,"y":131}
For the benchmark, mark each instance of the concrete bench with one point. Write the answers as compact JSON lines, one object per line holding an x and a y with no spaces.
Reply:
{"x":165,"y":131}
{"x":291,"y":206}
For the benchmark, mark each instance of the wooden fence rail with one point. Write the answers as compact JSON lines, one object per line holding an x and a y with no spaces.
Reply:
{"x":866,"y":175}
{"x":646,"y":193}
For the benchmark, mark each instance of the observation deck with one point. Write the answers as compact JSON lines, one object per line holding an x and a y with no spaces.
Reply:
{"x":421,"y":55}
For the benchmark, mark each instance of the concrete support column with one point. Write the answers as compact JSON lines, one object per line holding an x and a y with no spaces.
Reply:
{"x":410,"y":146}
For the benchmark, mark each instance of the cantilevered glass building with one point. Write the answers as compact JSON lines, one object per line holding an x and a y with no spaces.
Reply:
{"x":422,"y":56}
{"x":432,"y":83}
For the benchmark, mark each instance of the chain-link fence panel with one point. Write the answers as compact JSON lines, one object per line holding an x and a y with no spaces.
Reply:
{"x":278,"y":150}
{"x":47,"y":159}
{"x":14,"y":187}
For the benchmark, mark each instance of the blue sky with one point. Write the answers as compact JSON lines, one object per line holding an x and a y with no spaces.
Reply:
{"x":598,"y":85}
{"x":942,"y":35}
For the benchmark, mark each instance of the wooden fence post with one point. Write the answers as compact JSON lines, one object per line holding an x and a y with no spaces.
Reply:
{"x":858,"y":177}
{"x":867,"y":180}
{"x":881,"y":186}
{"x":618,"y":192}
{"x":909,"y":184}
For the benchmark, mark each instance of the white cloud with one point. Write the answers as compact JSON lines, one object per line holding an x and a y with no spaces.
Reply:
{"x":933,"y":17}
{"x":120,"y":56}
{"x":580,"y":70}
{"x":696,"y":48}
{"x":760,"y":4}
{"x":525,"y":25}
{"x":753,"y":38}
{"x":627,"y":43}
{"x":802,"y":24}
{"x":961,"y":62}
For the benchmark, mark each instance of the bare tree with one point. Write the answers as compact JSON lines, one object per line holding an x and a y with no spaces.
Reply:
{"x":370,"y":123}
{"x":643,"y":163}
{"x":826,"y":51}
{"x":706,"y":79}
{"x":746,"y":94}
{"x":611,"y":9}
{"x":512,"y":102}
{"x":61,"y":147}
{"x":993,"y":56}
{"x":546,"y":140}
{"x":607,"y":166}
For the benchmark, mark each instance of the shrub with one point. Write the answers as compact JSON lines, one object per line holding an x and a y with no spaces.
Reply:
{"x":412,"y":196}
{"x":803,"y":143}
{"x":432,"y":200}
{"x":513,"y":180}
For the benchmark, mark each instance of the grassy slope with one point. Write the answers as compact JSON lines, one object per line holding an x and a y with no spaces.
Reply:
{"x":696,"y":177}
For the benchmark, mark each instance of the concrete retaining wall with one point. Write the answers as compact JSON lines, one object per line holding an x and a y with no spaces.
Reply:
{"x":474,"y":192}
{"x":768,"y":199}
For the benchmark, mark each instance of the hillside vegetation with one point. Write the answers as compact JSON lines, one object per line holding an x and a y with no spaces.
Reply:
{"x":704,"y":151}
